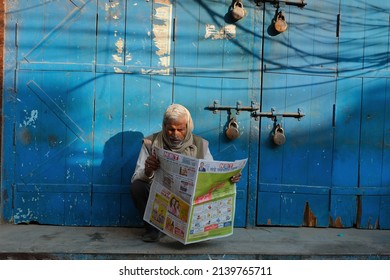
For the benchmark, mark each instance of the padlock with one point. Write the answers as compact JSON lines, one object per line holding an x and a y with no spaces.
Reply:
{"x":238,"y":12}
{"x":280,"y":23}
{"x":232,"y":131}
{"x":279,"y":138}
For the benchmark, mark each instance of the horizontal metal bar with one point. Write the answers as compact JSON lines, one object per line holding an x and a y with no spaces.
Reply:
{"x":298,"y":3}
{"x":274,"y":115}
{"x":215,"y":108}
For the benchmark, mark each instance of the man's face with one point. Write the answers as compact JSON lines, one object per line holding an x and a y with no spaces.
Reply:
{"x":176,"y":130}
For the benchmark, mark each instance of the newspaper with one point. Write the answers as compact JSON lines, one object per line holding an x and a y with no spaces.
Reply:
{"x":192,"y":200}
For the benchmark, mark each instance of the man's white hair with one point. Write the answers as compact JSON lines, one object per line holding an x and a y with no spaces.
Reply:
{"x":177,"y":111}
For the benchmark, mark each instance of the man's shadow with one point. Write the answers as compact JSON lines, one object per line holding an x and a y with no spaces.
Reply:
{"x":113,"y":176}
{"x":120,"y":156}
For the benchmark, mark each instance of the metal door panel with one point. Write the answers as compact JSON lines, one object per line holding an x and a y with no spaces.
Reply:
{"x":361,"y":116}
{"x":299,"y":150}
{"x":111,"y":34}
{"x":51,"y":130}
{"x":384,"y":212}
{"x":363,"y":47}
{"x":372,"y":132}
{"x":347,"y":133}
{"x":371,"y":162}
{"x":54,"y":31}
{"x":202,"y":31}
{"x":386,"y":139}
{"x":304,"y":210}
{"x":343,"y":208}
{"x":309,"y":45}
{"x":52,"y":204}
{"x":303,"y":163}
{"x":53,"y":146}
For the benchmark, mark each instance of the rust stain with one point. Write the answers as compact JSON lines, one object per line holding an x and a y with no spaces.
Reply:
{"x":309,"y":219}
{"x":370,"y":223}
{"x":53,"y":140}
{"x":25,"y":136}
{"x":336,"y":223}
{"x":269,"y":222}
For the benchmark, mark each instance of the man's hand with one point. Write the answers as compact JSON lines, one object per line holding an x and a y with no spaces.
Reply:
{"x":151,"y":164}
{"x":236,"y":178}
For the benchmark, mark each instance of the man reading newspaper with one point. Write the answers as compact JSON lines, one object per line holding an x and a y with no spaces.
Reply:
{"x":176,"y":136}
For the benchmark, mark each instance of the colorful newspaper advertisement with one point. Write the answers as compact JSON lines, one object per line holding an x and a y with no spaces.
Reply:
{"x":192,"y":200}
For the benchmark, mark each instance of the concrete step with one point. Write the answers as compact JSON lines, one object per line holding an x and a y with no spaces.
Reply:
{"x":288,"y":243}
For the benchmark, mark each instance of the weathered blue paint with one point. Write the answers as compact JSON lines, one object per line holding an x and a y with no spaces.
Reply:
{"x":93,"y":80}
{"x":338,"y":157}
{"x":85,"y":81}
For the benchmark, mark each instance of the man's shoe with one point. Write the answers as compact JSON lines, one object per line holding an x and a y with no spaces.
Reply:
{"x":151,"y":236}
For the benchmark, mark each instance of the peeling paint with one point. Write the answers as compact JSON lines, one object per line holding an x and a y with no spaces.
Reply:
{"x":30,"y":119}
{"x":117,"y":58}
{"x":118,"y":70}
{"x":155,"y":72}
{"x":113,"y":11}
{"x":162,"y":34}
{"x":226,"y":32}
{"x":129,"y":57}
{"x":119,"y":46}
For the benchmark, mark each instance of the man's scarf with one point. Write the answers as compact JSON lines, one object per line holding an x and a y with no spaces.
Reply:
{"x":187,"y":147}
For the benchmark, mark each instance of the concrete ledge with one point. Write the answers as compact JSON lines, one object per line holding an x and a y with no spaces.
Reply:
{"x":45,"y":242}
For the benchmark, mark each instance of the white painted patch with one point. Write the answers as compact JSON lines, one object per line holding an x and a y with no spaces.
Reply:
{"x":129,"y":57}
{"x":117,"y":58}
{"x":226,"y":32}
{"x":155,"y":71}
{"x":118,"y":70}
{"x":30,"y":120}
{"x":119,"y":46}
{"x":162,"y":35}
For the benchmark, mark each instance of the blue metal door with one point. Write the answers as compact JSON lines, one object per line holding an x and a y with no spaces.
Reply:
{"x":299,"y":69}
{"x":87,"y":80}
{"x":85,"y":85}
{"x":361,"y":178}
{"x":332,"y":65}
{"x":48,"y":148}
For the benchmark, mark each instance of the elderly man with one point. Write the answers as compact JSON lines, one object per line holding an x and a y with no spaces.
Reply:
{"x":176,"y":135}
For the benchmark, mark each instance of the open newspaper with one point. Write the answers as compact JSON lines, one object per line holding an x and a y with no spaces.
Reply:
{"x":192,"y":200}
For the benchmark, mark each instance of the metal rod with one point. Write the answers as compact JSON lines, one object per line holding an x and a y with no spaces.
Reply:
{"x":215,"y":108}
{"x":298,"y":3}
{"x":272,"y":114}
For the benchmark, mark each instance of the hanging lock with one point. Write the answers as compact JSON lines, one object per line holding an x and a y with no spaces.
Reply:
{"x":279,"y":138}
{"x":232,"y":131}
{"x":280,"y":23}
{"x":238,"y":12}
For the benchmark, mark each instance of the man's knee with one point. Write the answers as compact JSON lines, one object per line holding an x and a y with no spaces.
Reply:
{"x":139,"y":188}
